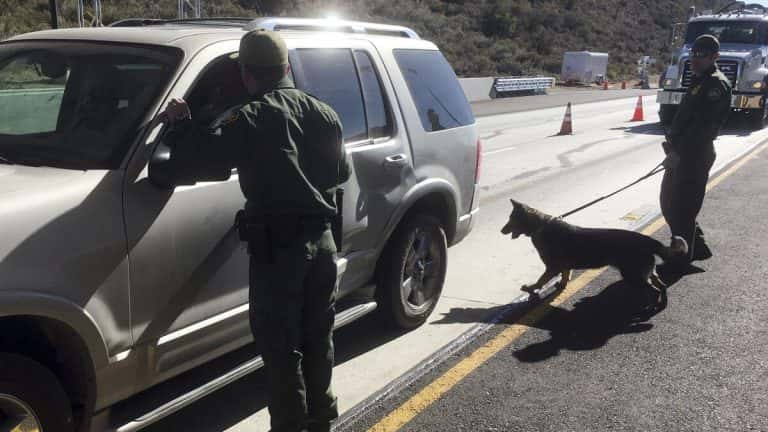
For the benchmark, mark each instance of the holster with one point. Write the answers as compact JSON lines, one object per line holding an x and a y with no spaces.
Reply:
{"x":258,"y":236}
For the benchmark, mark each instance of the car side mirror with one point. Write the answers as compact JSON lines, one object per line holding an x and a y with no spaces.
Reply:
{"x":185,"y":165}
{"x":163,"y":168}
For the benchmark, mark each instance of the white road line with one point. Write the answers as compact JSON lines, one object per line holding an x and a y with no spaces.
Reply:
{"x":499,"y":151}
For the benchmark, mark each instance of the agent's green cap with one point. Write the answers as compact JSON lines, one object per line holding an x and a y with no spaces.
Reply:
{"x":262,"y":49}
{"x":705,"y":45}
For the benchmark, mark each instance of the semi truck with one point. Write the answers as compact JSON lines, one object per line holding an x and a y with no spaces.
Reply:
{"x":742,"y":29}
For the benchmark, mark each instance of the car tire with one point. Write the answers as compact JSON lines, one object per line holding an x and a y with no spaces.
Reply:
{"x":412,"y":272}
{"x":31,"y":393}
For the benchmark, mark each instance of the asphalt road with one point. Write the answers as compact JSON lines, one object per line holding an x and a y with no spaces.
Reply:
{"x":522,"y":159}
{"x":594,"y":363}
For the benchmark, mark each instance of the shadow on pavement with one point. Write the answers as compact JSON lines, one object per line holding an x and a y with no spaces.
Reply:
{"x":588,"y":325}
{"x":734,"y":127}
{"x":671,"y":276}
{"x":469,"y":315}
{"x":642,"y":129}
{"x":591,"y":323}
{"x":233,"y":404}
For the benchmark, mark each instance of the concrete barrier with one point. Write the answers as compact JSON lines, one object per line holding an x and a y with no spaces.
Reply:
{"x":477,"y":89}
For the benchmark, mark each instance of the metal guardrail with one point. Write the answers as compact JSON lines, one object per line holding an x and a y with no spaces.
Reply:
{"x":522,"y":84}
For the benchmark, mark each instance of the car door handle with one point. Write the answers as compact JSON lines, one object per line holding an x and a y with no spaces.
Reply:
{"x":396,"y":161}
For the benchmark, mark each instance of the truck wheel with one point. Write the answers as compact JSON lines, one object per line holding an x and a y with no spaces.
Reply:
{"x":31,"y":397}
{"x":667,"y":114}
{"x":412,"y":272}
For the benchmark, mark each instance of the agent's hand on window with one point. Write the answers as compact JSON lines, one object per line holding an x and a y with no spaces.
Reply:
{"x":176,"y":111}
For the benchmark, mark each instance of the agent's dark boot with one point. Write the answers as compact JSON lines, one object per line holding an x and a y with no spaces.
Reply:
{"x":701,"y":251}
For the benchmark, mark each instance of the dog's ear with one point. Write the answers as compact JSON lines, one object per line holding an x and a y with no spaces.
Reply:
{"x":518,"y":207}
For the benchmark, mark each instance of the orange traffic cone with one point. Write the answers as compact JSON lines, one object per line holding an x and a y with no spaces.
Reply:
{"x":567,"y":127}
{"x":638,"y":110}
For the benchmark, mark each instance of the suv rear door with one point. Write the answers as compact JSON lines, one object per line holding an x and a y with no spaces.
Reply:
{"x":346,"y":74}
{"x":445,"y":138}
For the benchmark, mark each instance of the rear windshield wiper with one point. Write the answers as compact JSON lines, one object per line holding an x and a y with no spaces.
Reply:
{"x":6,"y":161}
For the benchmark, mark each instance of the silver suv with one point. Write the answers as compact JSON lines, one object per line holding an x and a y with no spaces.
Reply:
{"x":114,"y":279}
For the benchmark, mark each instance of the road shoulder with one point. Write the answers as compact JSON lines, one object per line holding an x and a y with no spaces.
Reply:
{"x":587,"y":365}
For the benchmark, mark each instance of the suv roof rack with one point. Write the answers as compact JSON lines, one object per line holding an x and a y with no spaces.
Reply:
{"x":278,"y":24}
{"x":140,"y":22}
{"x":333,"y":25}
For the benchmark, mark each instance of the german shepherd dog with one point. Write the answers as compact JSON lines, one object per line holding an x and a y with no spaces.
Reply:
{"x":564,"y":247}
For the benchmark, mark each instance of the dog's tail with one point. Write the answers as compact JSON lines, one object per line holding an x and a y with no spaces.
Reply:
{"x":677,"y":249}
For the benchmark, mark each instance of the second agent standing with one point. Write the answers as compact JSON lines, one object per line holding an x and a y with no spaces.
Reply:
{"x":690,"y":148}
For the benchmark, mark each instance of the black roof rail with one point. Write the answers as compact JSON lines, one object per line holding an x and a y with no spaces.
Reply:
{"x":224,"y":21}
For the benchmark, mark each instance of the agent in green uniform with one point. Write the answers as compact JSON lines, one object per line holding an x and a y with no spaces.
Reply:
{"x":288,"y":150}
{"x":690,"y":148}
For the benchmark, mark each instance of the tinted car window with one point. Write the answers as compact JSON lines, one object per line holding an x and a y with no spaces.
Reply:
{"x":218,"y":89}
{"x":76,"y":105}
{"x":436,"y":91}
{"x":738,"y":32}
{"x":379,"y":119}
{"x":331,"y":76}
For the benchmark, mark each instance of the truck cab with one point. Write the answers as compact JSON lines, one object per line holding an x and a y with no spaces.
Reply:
{"x":743,"y":34}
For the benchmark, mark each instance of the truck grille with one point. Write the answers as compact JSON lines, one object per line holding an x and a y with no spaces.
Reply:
{"x":729,"y":68}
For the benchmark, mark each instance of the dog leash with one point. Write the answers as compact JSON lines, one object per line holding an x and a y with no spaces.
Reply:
{"x":657,"y":169}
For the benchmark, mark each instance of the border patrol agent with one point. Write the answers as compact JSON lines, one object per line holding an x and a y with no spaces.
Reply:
{"x":288,"y":149}
{"x":690,"y":148}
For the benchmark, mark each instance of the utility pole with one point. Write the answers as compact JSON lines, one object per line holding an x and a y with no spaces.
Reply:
{"x":54,"y":14}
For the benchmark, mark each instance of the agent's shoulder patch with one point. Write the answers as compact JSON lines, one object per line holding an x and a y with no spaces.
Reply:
{"x":226,"y":119}
{"x":232,"y":118}
{"x":695,"y":90}
{"x":714,"y":94}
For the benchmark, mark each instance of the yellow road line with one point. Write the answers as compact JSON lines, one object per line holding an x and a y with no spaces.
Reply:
{"x":435,"y":390}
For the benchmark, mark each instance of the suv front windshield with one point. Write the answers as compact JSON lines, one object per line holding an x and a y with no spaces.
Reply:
{"x":76,"y":105}
{"x":735,"y":32}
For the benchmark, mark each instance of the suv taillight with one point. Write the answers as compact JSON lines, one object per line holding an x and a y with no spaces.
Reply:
{"x":479,"y":160}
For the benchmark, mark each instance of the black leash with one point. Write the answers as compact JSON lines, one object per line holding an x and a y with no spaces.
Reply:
{"x":657,"y":169}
